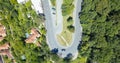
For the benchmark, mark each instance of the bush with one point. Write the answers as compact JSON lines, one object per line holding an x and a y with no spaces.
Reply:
{"x":70,"y":20}
{"x":71,"y":28}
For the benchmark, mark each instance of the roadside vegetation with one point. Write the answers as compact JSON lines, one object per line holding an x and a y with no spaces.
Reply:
{"x":67,"y":11}
{"x":53,"y":2}
{"x":65,"y":38}
{"x":67,"y":7}
{"x":100,"y":20}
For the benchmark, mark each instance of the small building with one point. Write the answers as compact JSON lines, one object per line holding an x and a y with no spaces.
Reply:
{"x":5,"y":46}
{"x":6,"y":52}
{"x":33,"y":36}
{"x":31,"y":39}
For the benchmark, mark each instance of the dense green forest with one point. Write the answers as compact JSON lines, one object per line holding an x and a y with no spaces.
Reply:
{"x":100,"y":20}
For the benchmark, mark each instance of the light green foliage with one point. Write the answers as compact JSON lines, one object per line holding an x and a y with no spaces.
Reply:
{"x":53,"y":2}
{"x":43,"y":30}
{"x":67,"y":7}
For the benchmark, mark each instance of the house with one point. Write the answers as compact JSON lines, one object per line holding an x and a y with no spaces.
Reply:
{"x":35,"y":32}
{"x":6,"y":52}
{"x":2,"y":32}
{"x":5,"y":46}
{"x":33,"y":36}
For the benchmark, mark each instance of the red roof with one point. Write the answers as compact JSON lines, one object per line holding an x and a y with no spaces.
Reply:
{"x":33,"y":36}
{"x":6,"y":52}
{"x":4,"y":46}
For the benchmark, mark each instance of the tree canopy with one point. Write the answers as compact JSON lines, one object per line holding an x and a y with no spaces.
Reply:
{"x":100,"y":20}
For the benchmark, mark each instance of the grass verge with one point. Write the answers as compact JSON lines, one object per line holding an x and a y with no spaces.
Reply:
{"x":65,"y":37}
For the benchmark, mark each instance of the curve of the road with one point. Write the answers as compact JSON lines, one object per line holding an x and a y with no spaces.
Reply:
{"x":52,"y":29}
{"x":59,"y":26}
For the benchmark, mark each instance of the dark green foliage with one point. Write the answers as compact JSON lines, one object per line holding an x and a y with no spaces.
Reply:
{"x":100,"y":20}
{"x":71,"y":28}
{"x":70,"y":20}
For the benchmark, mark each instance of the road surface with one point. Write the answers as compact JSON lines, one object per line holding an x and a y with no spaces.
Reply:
{"x":1,"y":59}
{"x":52,"y":29}
{"x":59,"y":26}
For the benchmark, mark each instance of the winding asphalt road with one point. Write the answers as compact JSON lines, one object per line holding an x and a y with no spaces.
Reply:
{"x":59,"y":26}
{"x":51,"y":30}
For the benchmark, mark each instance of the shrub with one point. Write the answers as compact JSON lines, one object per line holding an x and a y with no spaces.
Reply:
{"x":71,"y":28}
